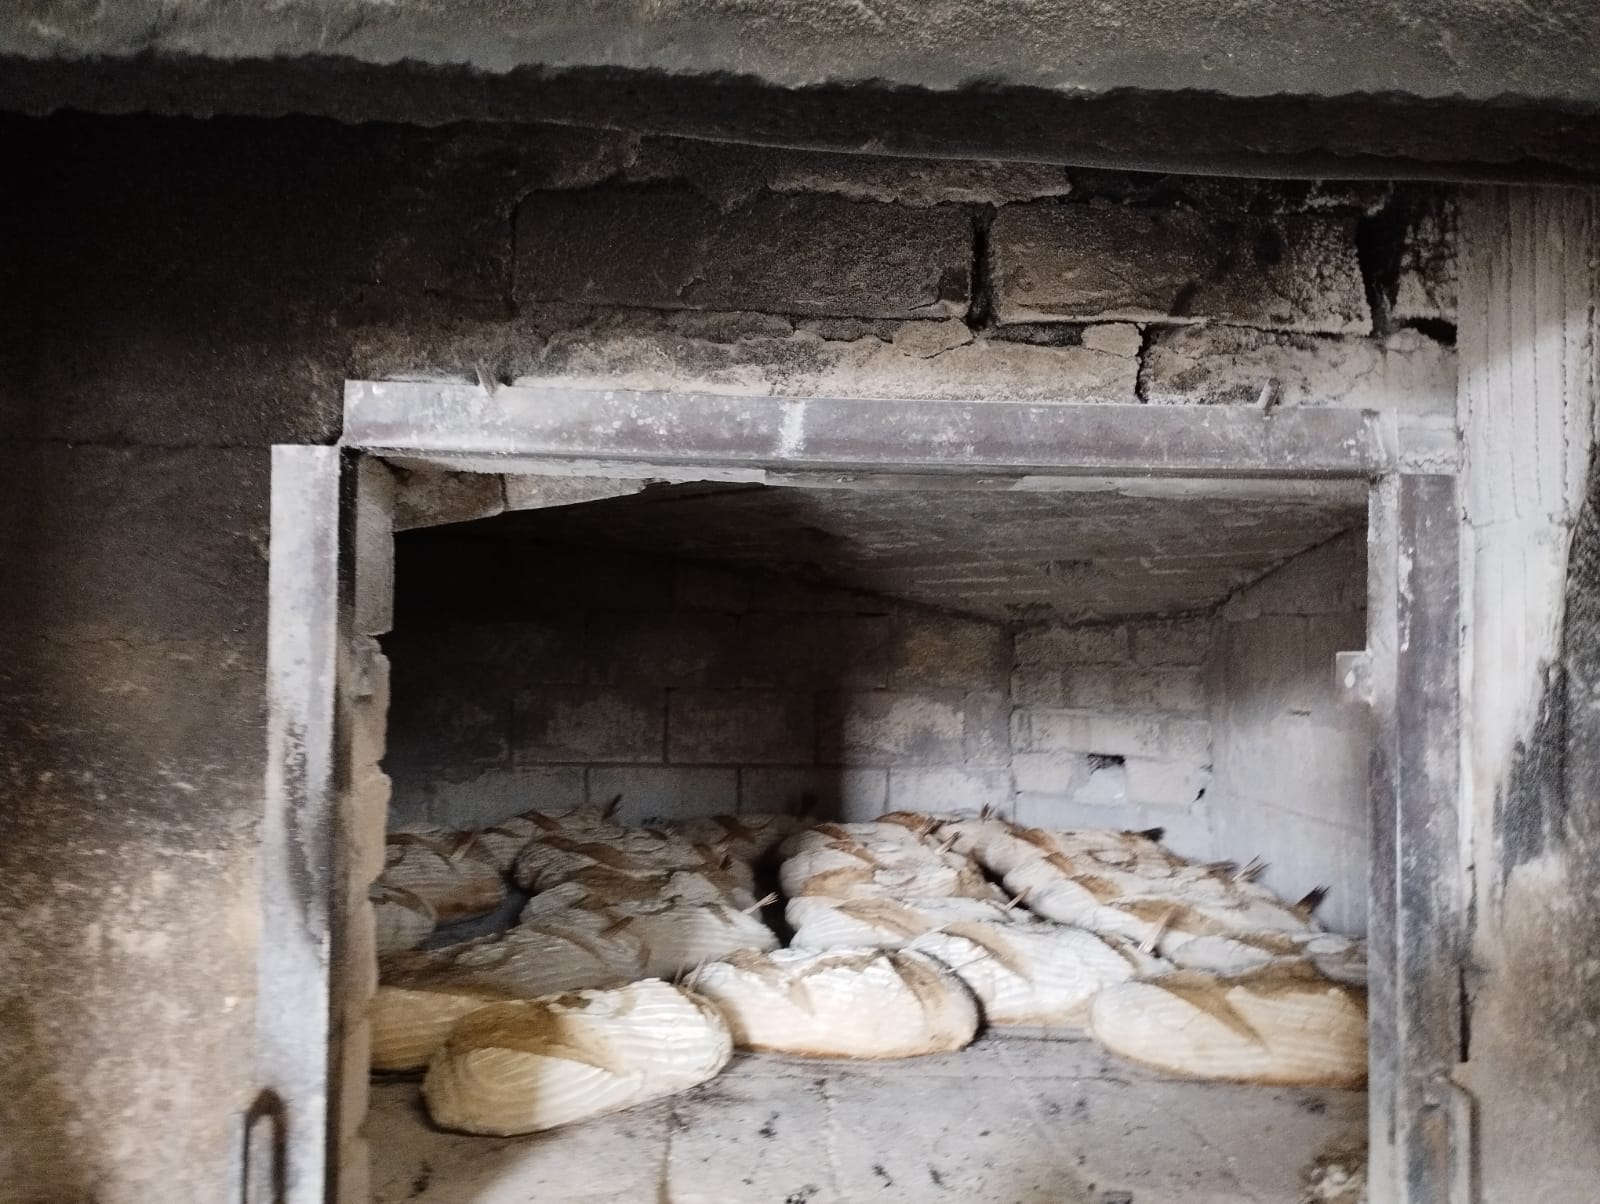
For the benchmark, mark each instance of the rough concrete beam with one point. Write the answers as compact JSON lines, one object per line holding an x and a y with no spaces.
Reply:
{"x":1421,"y":48}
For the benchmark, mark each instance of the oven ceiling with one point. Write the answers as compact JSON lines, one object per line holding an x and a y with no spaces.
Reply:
{"x":1098,"y":551}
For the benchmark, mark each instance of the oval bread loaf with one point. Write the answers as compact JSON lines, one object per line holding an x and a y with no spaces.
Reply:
{"x":823,"y":923}
{"x":421,"y":995}
{"x":840,"y":1004}
{"x":1041,"y":975}
{"x":529,"y":1066}
{"x":747,"y":837}
{"x":1285,"y":1025}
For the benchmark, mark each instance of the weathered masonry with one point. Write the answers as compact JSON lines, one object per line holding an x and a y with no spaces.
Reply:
{"x":406,"y":419}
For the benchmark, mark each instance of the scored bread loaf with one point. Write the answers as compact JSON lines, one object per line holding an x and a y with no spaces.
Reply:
{"x":1039,"y":974}
{"x":508,"y":837}
{"x":1285,"y":1025}
{"x":421,"y":995}
{"x":746,"y":837}
{"x":1162,"y":909}
{"x":525,"y":1067}
{"x":451,"y":871}
{"x":599,"y":887}
{"x":677,"y":937}
{"x":401,"y":920}
{"x":823,"y":923}
{"x":631,"y":852}
{"x":876,"y":860}
{"x":865,"y":1003}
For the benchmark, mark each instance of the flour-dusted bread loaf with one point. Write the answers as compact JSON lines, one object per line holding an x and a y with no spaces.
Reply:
{"x":630,"y":852}
{"x":452,"y":871}
{"x":877,"y":860}
{"x":421,"y":995}
{"x":1041,"y":974}
{"x":823,"y":923}
{"x":869,"y":1003}
{"x":525,"y":1067}
{"x":746,"y":837}
{"x":597,"y":887}
{"x":401,"y":919}
{"x":1338,"y":957}
{"x":508,"y":837}
{"x":1161,"y":907}
{"x":678,"y":937}
{"x":1285,"y":1024}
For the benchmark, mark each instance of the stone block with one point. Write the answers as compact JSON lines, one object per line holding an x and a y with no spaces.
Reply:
{"x":949,"y":789}
{"x":669,"y":648}
{"x":1163,"y":642}
{"x":986,"y":733}
{"x":779,"y":650}
{"x":848,"y":795}
{"x":932,"y":360}
{"x":591,"y":723}
{"x":1095,"y":733}
{"x":1037,"y":686}
{"x":884,"y":727}
{"x":1427,"y":283}
{"x":1158,"y":782}
{"x":1117,"y":688}
{"x":1267,"y":667}
{"x":1407,"y":372}
{"x":495,"y":794}
{"x":1091,"y":644}
{"x":855,"y":652}
{"x":1081,"y":263}
{"x":671,"y":248}
{"x":437,"y":730}
{"x":547,"y":650}
{"x":740,"y":727}
{"x":436,"y":498}
{"x":1053,"y":773}
{"x":651,"y":794}
{"x":937,"y":650}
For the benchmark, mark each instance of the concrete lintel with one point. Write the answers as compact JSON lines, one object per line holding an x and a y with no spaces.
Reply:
{"x":443,"y":420}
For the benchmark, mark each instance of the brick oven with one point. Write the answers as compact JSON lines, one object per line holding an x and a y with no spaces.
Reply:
{"x":410,"y":421}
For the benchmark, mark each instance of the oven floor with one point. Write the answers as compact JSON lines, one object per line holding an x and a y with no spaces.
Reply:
{"x":1007,"y":1121}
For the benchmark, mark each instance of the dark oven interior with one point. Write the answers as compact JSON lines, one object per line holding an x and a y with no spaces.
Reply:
{"x":1085,"y":659}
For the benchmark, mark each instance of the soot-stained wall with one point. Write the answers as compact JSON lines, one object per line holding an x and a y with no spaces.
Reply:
{"x":178,"y":295}
{"x":1290,"y":750}
{"x":683,"y":688}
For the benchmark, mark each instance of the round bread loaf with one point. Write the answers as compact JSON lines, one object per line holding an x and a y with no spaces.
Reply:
{"x":401,"y":920}
{"x":451,"y":871}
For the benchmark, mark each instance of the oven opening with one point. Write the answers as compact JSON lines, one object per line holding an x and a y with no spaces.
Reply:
{"x":891,"y":838}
